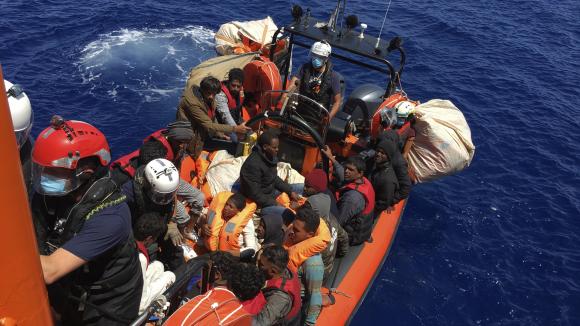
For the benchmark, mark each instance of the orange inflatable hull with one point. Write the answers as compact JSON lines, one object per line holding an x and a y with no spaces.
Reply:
{"x":23,"y":297}
{"x":363,"y":271}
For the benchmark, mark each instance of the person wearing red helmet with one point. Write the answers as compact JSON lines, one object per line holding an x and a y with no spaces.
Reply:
{"x":82,"y":220}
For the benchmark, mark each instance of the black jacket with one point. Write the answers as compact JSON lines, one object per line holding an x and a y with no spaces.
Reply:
{"x":384,"y":179}
{"x":399,"y":166}
{"x":259,"y":179}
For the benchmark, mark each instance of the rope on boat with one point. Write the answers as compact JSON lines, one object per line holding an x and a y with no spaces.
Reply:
{"x":383,"y":25}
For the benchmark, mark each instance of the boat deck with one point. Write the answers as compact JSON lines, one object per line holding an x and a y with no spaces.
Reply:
{"x":355,"y":273}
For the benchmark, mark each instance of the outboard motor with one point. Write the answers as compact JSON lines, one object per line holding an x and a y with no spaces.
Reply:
{"x":340,"y":126}
{"x":362,"y":104}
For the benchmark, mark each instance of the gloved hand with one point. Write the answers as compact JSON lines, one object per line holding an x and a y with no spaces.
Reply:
{"x":174,"y":234}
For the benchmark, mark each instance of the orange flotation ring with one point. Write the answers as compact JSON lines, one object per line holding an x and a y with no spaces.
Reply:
{"x":298,"y":253}
{"x":219,"y":306}
{"x":261,"y":76}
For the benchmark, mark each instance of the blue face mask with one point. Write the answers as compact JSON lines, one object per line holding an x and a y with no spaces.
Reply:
{"x":52,"y":186}
{"x":400,"y":122}
{"x":317,"y":63}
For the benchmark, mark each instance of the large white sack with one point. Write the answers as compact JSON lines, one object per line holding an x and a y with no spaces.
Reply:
{"x":442,"y":144}
{"x":229,"y":34}
{"x":224,"y":171}
{"x":260,"y":31}
{"x":227,"y":38}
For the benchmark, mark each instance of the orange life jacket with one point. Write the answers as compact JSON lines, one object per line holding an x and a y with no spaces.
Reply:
{"x":292,"y":288}
{"x":190,"y":170}
{"x":225,"y":234}
{"x":219,"y":306}
{"x":299,"y":252}
{"x":366,"y":189}
{"x":284,"y":200}
{"x":360,"y":226}
{"x":255,"y":305}
{"x":232,"y":103}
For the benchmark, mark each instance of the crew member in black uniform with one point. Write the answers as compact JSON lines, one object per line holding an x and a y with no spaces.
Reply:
{"x":88,"y":255}
{"x":318,"y":81}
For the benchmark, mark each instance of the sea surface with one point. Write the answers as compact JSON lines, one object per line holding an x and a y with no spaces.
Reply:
{"x":497,"y":244}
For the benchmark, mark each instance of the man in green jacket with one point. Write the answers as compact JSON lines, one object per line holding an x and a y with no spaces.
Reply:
{"x":198,"y":106}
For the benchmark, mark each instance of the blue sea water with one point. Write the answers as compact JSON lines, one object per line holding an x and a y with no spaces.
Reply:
{"x":494,"y":245}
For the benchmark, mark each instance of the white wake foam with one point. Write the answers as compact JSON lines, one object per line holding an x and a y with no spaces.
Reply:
{"x":150,"y":62}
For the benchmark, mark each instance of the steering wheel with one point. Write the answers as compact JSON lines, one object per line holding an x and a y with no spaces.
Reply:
{"x":296,"y":122}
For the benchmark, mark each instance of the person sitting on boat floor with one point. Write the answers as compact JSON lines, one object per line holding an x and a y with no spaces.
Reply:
{"x":222,"y":263}
{"x":259,"y":180}
{"x":173,"y":139}
{"x":282,"y":290}
{"x":317,"y":79}
{"x":315,"y":189}
{"x":244,"y":280}
{"x":356,"y":198}
{"x":309,"y":270}
{"x":197,"y":105}
{"x":154,"y":189}
{"x":271,"y":229}
{"x":398,"y":163}
{"x":383,"y":177}
{"x":156,"y":280}
{"x":229,"y":225}
{"x":82,"y":220}
{"x":230,"y":100}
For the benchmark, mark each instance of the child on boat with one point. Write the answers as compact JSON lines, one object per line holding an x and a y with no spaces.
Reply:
{"x":156,"y":280}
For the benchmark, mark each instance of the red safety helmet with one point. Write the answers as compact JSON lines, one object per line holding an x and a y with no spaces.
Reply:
{"x":57,"y":151}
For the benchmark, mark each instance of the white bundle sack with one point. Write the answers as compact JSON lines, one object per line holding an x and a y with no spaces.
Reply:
{"x":227,"y":38}
{"x":443,"y":144}
{"x":229,"y":35}
{"x":223,"y":172}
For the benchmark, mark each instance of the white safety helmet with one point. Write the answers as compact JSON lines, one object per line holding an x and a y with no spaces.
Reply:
{"x":321,"y":49}
{"x":20,"y":110}
{"x":163,"y":179}
{"x":404,"y":108}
